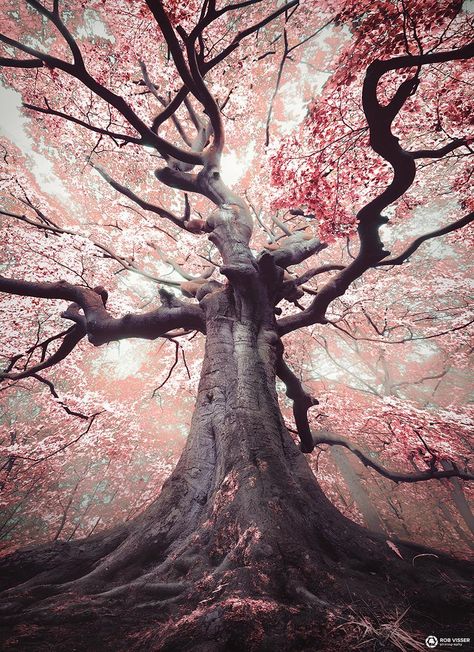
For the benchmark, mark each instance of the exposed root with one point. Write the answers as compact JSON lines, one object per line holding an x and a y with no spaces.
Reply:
{"x":249,"y":556}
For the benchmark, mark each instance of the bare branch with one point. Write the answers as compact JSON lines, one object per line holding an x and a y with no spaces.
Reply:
{"x":400,"y":259}
{"x":395,"y":476}
{"x":168,"y":376}
{"x":287,"y":49}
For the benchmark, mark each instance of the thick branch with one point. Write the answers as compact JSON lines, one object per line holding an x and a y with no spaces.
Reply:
{"x":210,"y":105}
{"x":190,"y":72}
{"x":296,"y":248}
{"x":156,"y":8}
{"x":99,"y":325}
{"x":20,"y":63}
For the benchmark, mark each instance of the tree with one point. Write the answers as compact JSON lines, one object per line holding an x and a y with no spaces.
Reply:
{"x":241,"y":550}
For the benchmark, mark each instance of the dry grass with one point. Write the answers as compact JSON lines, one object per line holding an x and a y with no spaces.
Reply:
{"x":381,"y":634}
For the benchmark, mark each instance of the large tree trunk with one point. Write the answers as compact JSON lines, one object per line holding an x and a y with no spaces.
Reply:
{"x":241,"y":550}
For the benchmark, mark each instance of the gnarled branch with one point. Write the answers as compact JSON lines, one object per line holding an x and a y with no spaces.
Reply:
{"x":386,"y":144}
{"x":100,"y":327}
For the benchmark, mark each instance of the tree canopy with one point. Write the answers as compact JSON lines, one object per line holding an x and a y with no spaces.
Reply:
{"x":167,"y":151}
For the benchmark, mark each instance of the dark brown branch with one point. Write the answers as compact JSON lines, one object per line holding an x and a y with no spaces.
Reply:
{"x":168,"y":376}
{"x":54,"y":17}
{"x":384,"y":143}
{"x":210,"y":105}
{"x":54,"y":393}
{"x":98,"y":130}
{"x":286,"y":52}
{"x":302,"y":402}
{"x":190,"y":72}
{"x":38,"y":345}
{"x":170,"y":109}
{"x":206,"y":66}
{"x":163,"y":22}
{"x":92,"y":418}
{"x":441,"y":151}
{"x":71,"y":339}
{"x":20,"y":63}
{"x":135,"y":198}
{"x":153,"y":90}
{"x":99,"y":325}
{"x":196,"y":120}
{"x":179,"y":127}
{"x":395,"y":476}
{"x":400,"y":259}
{"x":410,"y":338}
{"x":247,"y":32}
{"x":277,"y":87}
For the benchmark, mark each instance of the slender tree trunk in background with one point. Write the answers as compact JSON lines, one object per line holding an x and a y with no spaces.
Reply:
{"x":449,"y":518}
{"x":460,"y":500}
{"x":357,"y":490}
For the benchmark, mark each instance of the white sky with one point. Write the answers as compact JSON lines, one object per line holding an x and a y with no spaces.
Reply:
{"x":13,"y":126}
